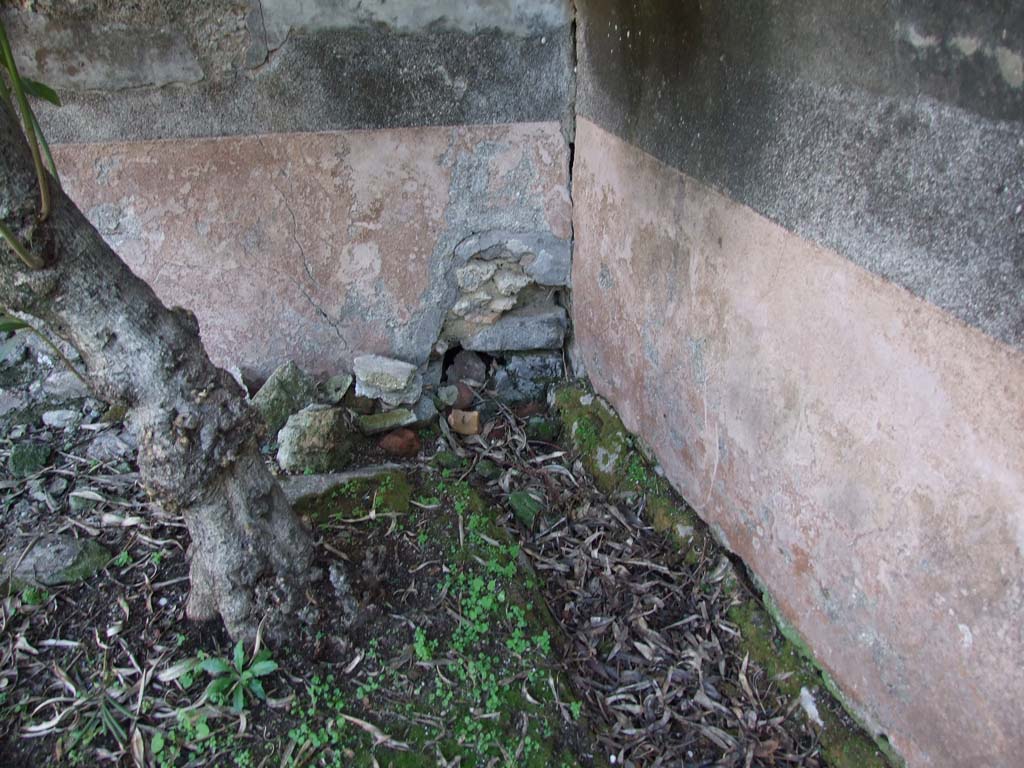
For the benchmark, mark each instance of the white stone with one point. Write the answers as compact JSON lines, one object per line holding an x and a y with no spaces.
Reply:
{"x":382,"y":373}
{"x":470,"y":303}
{"x":61,"y":419}
{"x":509,"y":282}
{"x":474,"y":274}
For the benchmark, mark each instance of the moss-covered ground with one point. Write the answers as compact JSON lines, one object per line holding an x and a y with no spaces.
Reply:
{"x":449,"y":659}
{"x":460,"y":663}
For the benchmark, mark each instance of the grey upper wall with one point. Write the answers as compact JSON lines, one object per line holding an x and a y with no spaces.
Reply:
{"x":892,"y":132}
{"x":152,"y":70}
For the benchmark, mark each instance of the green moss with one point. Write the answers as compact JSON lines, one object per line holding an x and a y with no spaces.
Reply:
{"x":595,"y":431}
{"x":844,"y":745}
{"x":525,"y":507}
{"x":392,"y":494}
{"x":28,"y":458}
{"x":344,"y":501}
{"x":669,"y":516}
{"x":115,"y":414}
{"x":389,"y":492}
{"x":448,"y":460}
{"x":543,"y":429}
{"x":487,"y":469}
{"x":91,"y":558}
{"x":378,"y":423}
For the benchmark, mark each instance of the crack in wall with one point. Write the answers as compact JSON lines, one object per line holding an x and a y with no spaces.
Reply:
{"x":334,"y":324}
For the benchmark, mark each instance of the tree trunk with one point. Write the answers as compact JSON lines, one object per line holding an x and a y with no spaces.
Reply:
{"x":250,"y":555}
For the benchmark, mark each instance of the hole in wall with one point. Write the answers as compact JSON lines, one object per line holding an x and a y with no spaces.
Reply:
{"x":449,"y":360}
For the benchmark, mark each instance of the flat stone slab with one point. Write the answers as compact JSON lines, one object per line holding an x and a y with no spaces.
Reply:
{"x":383,"y":373}
{"x":287,"y":391}
{"x":51,"y":560}
{"x":300,"y":487}
{"x":538,"y":327}
{"x":378,"y":423}
{"x":317,"y":438}
{"x":394,"y":382}
{"x":545,"y":259}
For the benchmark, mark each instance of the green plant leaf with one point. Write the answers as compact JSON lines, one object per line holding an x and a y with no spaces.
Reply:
{"x":156,"y":744}
{"x":111,"y":725}
{"x":257,"y":688}
{"x":263,"y":668}
{"x":10,"y":323}
{"x":239,"y":658}
{"x":217,"y":688}
{"x":215,"y":667}
{"x":238,"y":700}
{"x":40,"y":91}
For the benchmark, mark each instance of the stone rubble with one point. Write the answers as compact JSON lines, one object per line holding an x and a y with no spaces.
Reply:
{"x":448,"y":395}
{"x":432,"y":375}
{"x":547,"y":258}
{"x":467,"y":366}
{"x":313,"y":426}
{"x":317,"y":438}
{"x":402,"y":443}
{"x":504,"y":273}
{"x":61,"y":418}
{"x":287,"y":391}
{"x":525,"y":378}
{"x":111,"y":446}
{"x":465,"y":396}
{"x":425,"y":412}
{"x":391,"y":381}
{"x":378,"y":423}
{"x":474,"y":274}
{"x":336,"y":387}
{"x":464,"y":422}
{"x":50,"y":560}
{"x":529,"y":328}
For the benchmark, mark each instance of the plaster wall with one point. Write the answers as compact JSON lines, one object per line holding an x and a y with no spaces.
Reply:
{"x":861,"y":450}
{"x":318,"y":247}
{"x":300,"y":173}
{"x":891,"y":132}
{"x":798,"y":275}
{"x":799,"y":265}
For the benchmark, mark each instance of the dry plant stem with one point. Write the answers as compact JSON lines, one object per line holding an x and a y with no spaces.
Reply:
{"x":28,"y":119}
{"x":46,"y":148}
{"x":250,"y":555}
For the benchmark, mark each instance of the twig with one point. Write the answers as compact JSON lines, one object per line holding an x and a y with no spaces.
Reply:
{"x":32,"y":261}
{"x":56,"y":350}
